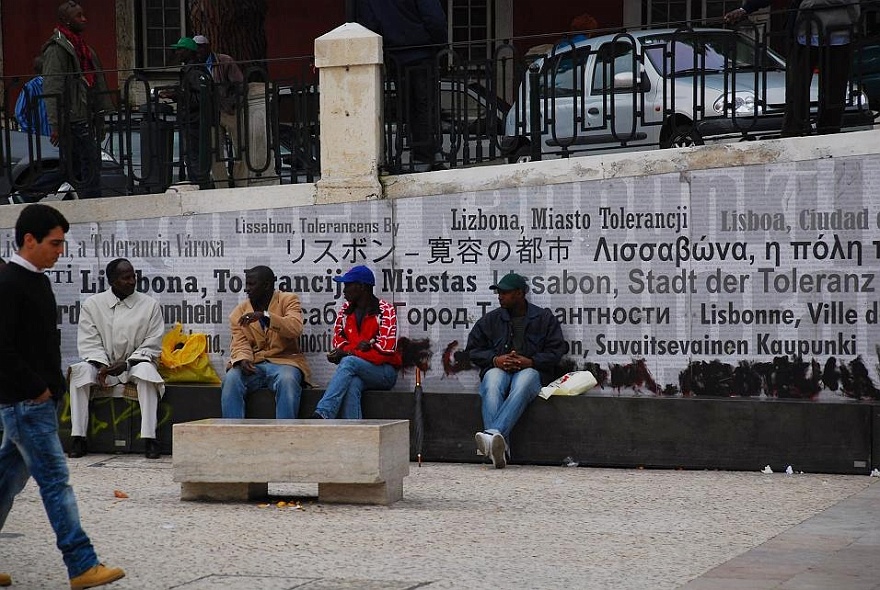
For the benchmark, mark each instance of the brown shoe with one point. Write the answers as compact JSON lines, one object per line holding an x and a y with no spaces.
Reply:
{"x":96,"y":576}
{"x":5,"y":580}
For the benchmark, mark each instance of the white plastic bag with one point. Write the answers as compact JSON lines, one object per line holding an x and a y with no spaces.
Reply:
{"x":574,"y":383}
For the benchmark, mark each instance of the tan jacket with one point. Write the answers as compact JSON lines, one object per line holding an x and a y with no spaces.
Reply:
{"x":277,"y":344}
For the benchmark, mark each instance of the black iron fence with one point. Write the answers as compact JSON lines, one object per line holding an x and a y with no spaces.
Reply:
{"x":680,"y":87}
{"x":617,"y":90}
{"x":158,"y":134}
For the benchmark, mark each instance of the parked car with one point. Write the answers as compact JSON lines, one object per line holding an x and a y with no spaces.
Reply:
{"x":866,"y":73}
{"x":31,"y":171}
{"x":666,"y":88}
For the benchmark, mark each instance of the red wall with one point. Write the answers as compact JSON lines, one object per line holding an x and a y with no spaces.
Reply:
{"x":28,"y":24}
{"x":291,"y":29}
{"x":550,"y":17}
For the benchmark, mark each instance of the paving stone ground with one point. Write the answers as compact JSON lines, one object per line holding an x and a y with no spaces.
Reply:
{"x":468,"y":526}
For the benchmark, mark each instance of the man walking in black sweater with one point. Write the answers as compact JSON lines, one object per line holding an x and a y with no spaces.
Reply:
{"x":31,"y":382}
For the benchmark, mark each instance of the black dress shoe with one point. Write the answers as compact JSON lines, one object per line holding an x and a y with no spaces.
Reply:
{"x":316,"y":416}
{"x":78,"y":447}
{"x":152,"y":448}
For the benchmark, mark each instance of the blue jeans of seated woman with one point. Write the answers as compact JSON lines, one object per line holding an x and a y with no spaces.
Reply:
{"x":342,"y":398}
{"x":31,"y":448}
{"x":284,"y":380}
{"x":506,"y":396}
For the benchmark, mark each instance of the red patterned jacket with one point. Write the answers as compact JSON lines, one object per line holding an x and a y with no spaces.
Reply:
{"x":379,"y":326}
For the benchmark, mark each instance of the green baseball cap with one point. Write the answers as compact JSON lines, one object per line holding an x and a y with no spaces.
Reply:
{"x":185,"y":43}
{"x":510,"y":282}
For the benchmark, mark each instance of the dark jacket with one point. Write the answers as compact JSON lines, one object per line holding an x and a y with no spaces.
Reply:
{"x":30,"y":342}
{"x":792,"y":17}
{"x":63,"y":77}
{"x":492,"y":335}
{"x":411,"y":24}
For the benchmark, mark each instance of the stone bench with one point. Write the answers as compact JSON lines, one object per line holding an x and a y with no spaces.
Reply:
{"x":352,"y":461}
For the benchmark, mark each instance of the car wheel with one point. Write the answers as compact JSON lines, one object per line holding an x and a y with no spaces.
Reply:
{"x":523,"y":154}
{"x":64,"y":192}
{"x":681,"y":135}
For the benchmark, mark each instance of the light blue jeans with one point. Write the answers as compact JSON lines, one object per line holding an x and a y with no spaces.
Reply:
{"x":342,"y":398}
{"x":506,"y":396}
{"x":31,"y":448}
{"x":284,"y":380}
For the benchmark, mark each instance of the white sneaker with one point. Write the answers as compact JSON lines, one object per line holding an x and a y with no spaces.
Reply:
{"x":484,"y":443}
{"x":497,"y":451}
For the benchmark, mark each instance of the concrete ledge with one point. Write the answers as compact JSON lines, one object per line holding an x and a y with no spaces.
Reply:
{"x":353,"y":461}
{"x":597,"y":430}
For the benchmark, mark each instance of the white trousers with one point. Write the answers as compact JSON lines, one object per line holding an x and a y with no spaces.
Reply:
{"x":150,"y":388}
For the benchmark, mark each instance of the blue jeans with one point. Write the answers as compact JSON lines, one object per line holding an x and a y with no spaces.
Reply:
{"x":505,"y":397}
{"x":284,"y":380}
{"x":342,"y":398}
{"x":31,"y":448}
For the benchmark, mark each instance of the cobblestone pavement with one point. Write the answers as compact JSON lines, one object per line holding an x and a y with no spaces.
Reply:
{"x":458,"y":526}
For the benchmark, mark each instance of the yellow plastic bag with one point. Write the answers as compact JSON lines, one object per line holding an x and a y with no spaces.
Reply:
{"x":184,"y":358}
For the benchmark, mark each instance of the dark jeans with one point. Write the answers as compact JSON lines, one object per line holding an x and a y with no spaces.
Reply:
{"x":417,"y":86}
{"x":198,"y":156}
{"x":83,"y":160}
{"x":833,"y":62}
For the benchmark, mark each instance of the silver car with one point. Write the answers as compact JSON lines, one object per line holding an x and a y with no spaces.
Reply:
{"x":643,"y":89}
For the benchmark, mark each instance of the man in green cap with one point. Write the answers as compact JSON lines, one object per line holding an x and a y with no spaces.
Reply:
{"x":194,"y":111}
{"x":517,"y":348}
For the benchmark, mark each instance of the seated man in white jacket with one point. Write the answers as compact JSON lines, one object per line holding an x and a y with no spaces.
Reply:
{"x":119,"y":339}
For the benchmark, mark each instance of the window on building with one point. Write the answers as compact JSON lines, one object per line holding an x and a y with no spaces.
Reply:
{"x":162,"y":24}
{"x":675,"y":13}
{"x":713,"y":9}
{"x":471,"y":24}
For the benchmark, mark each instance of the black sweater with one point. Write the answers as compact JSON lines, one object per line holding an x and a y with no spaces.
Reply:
{"x":406,"y":26}
{"x":30,"y":343}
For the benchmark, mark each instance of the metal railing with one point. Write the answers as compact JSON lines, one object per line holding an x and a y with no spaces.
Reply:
{"x":622,"y":90}
{"x":673,"y":88}
{"x":160,"y":134}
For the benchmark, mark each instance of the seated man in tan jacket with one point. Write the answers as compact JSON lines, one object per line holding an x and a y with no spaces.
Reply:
{"x":265,"y":347}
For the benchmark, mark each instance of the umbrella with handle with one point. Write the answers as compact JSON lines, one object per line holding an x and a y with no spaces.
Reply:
{"x":418,"y":417}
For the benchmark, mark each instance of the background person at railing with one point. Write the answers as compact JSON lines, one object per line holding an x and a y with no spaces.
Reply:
{"x":819,"y":33}
{"x":76,"y":99}
{"x":582,"y":25}
{"x":228,"y":86}
{"x":194,"y":112}
{"x":413,"y":32}
{"x":30,"y":108}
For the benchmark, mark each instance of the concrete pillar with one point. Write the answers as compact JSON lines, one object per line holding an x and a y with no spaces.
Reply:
{"x":350,"y":62}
